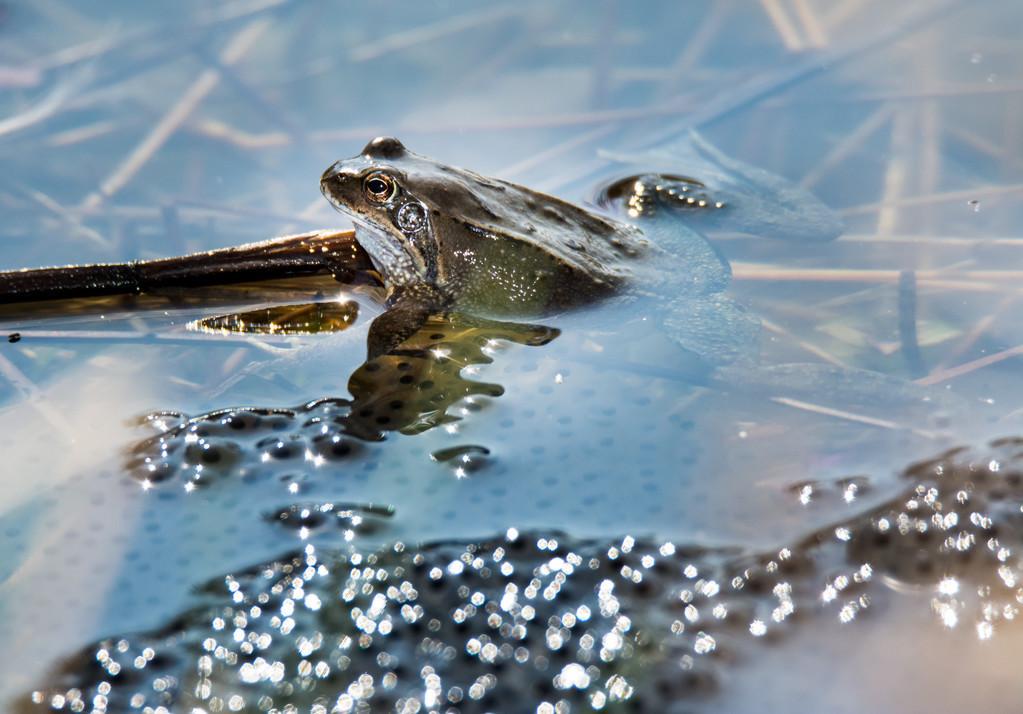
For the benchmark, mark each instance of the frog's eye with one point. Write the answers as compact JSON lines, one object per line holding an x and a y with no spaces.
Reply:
{"x":379,"y":187}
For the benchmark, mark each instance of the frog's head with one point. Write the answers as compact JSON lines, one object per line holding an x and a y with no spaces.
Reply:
{"x":378,"y":190}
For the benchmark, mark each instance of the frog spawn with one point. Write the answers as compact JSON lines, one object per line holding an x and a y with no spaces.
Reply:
{"x":555,"y":624}
{"x":957,"y":532}
{"x":532,"y":618}
{"x":411,"y":390}
{"x":242,"y":442}
{"x":331,"y":519}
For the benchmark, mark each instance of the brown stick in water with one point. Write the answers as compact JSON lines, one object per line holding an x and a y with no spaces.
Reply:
{"x":313,"y":253}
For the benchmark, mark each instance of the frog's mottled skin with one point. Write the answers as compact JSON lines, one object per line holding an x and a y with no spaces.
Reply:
{"x":485,"y":243}
{"x":476,"y":244}
{"x":447,"y":238}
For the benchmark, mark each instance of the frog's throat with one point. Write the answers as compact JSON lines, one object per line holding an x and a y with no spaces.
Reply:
{"x":390,"y":257}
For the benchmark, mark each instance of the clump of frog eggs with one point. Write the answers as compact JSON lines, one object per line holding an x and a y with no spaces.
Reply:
{"x":549,"y":623}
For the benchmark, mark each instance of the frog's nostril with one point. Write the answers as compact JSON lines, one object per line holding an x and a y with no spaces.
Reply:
{"x":332,"y":172}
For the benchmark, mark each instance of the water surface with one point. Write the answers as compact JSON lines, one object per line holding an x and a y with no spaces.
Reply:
{"x":180,"y":127}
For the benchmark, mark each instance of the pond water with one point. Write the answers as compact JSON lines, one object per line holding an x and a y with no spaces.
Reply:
{"x":565,"y":513}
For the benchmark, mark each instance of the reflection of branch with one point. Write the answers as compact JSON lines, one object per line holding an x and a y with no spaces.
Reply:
{"x":316,"y":252}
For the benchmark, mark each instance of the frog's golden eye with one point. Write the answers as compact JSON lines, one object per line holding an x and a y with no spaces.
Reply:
{"x":379,"y":187}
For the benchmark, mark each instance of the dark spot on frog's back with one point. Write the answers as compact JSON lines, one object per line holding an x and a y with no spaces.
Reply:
{"x":384,"y":147}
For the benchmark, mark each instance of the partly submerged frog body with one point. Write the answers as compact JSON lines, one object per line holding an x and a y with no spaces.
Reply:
{"x":473,"y":242}
{"x":447,"y":238}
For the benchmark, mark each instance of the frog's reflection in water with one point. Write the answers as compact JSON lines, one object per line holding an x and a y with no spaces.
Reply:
{"x":413,"y":388}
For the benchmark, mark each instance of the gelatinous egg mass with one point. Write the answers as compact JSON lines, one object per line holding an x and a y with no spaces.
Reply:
{"x":543,"y":621}
{"x":418,"y":387}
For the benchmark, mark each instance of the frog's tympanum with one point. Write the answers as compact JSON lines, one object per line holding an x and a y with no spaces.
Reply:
{"x":446,"y":238}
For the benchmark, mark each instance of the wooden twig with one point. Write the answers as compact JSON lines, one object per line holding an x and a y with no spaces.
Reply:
{"x":908,"y":339}
{"x":34,"y":396}
{"x":963,"y":369}
{"x":399,"y":41}
{"x":978,"y":330}
{"x":850,"y":416}
{"x":962,"y":195}
{"x":814,"y":30}
{"x":895,"y":172}
{"x":314,"y":253}
{"x":695,"y":46}
{"x":847,"y":145}
{"x":176,"y":116}
{"x":808,"y":346}
{"x":980,"y":280}
{"x":783,"y":25}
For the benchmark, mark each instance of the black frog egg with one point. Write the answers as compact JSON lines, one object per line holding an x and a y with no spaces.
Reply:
{"x":212,"y":453}
{"x":333,"y":446}
{"x":281,"y":448}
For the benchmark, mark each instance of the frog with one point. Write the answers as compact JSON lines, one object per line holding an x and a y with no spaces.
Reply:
{"x":441,"y":239}
{"x":446,"y":238}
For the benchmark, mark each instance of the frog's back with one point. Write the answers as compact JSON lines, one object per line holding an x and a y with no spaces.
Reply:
{"x":576,"y":243}
{"x":585,"y":242}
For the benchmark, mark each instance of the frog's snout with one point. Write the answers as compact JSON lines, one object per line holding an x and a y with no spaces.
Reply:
{"x":332,"y":174}
{"x":335,"y":183}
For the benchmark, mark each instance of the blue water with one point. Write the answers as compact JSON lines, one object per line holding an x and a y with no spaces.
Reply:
{"x":163,"y":129}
